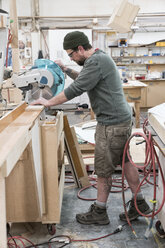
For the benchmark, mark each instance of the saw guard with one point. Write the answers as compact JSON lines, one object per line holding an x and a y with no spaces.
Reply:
{"x":59,"y":80}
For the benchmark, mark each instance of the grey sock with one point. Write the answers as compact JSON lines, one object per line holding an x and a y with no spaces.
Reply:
{"x":101,"y":204}
{"x":139,"y":196}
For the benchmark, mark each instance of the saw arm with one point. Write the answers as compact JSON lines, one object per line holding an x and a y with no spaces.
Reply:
{"x":44,"y":79}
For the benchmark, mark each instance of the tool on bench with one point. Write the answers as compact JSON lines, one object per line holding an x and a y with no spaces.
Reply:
{"x":44,"y":79}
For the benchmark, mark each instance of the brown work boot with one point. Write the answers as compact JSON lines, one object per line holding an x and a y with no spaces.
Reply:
{"x":95,"y":215}
{"x":132,"y":212}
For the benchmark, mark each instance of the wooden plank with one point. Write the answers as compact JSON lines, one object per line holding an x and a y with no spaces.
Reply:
{"x":157,"y":125}
{"x":12,"y":149}
{"x":159,"y":144}
{"x":14,"y":24}
{"x":51,"y":134}
{"x":38,"y":165}
{"x":87,"y":148}
{"x":72,"y":147}
{"x":59,"y":125}
{"x":3,"y":231}
{"x":155,"y":93}
{"x":137,"y":114}
{"x":23,"y":136}
{"x":24,"y":196}
{"x":11,"y":116}
{"x":83,"y":179}
{"x":15,"y":137}
{"x":92,"y":114}
{"x":71,"y":163}
{"x":61,"y":186}
{"x":133,"y":94}
{"x":75,"y":153}
{"x":61,"y":149}
{"x":161,"y":214}
{"x":14,"y":41}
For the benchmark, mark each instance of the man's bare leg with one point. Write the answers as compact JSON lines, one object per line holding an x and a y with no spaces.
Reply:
{"x":103,"y":188}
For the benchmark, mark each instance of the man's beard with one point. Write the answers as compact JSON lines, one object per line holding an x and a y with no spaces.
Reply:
{"x":81,"y":62}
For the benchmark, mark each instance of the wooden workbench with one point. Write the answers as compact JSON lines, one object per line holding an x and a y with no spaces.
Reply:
{"x":31,"y":168}
{"x":156,"y":119}
{"x":15,"y":136}
{"x":153,"y":95}
{"x":132,"y":91}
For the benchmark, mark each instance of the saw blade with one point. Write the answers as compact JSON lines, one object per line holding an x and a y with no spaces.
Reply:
{"x":44,"y":92}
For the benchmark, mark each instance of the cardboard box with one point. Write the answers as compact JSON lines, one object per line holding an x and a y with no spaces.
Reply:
{"x":160,"y":43}
{"x":123,"y":16}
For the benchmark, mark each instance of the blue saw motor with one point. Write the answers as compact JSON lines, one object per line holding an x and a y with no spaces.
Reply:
{"x":59,"y":80}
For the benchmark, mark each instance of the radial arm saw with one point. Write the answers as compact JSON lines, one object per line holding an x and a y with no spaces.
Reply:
{"x":44,"y":79}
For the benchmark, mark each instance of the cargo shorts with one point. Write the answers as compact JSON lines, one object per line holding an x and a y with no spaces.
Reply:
{"x":109,"y":148}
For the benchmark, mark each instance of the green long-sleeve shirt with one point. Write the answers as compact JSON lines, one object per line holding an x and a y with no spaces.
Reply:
{"x":101,"y":80}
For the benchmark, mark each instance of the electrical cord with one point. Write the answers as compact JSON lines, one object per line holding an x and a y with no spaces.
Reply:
{"x":64,"y":239}
{"x":12,"y":239}
{"x":20,"y":239}
{"x":117,"y":230}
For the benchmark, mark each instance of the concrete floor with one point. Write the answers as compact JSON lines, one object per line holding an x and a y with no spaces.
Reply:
{"x":37,"y":233}
{"x":72,"y":205}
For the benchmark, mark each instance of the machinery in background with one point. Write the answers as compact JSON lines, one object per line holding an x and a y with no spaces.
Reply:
{"x":44,"y":79}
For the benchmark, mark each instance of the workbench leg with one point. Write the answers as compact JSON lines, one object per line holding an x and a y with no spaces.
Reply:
{"x":3,"y":231}
{"x":137,"y":114}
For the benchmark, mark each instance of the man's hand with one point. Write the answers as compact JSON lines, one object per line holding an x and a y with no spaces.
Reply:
{"x":60,"y":64}
{"x":40,"y":101}
{"x":59,"y":99}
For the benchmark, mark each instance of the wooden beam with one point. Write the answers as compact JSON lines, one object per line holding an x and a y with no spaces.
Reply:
{"x":16,"y":136}
{"x":11,"y":116}
{"x":14,"y":32}
{"x":83,"y":179}
{"x":50,"y":136}
{"x":3,"y":234}
{"x":36,"y":153}
{"x":14,"y":23}
{"x":12,"y":148}
{"x":75,"y":153}
{"x":87,"y":148}
{"x":71,"y":163}
{"x":158,"y":124}
{"x":24,"y":196}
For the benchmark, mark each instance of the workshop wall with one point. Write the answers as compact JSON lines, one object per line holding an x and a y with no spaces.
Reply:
{"x":38,"y":19}
{"x":93,"y":7}
{"x":78,"y":7}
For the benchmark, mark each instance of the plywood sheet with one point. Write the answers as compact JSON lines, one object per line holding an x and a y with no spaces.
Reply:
{"x":11,"y":116}
{"x":156,"y":117}
{"x":51,"y":136}
{"x":15,"y":135}
{"x":21,"y":190}
{"x":75,"y":154}
{"x":161,"y":214}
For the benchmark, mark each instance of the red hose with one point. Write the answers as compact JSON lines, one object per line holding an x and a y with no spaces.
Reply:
{"x":149,"y":160}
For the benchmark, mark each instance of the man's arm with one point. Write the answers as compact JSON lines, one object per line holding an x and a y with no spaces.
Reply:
{"x":71,"y":73}
{"x":59,"y":99}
